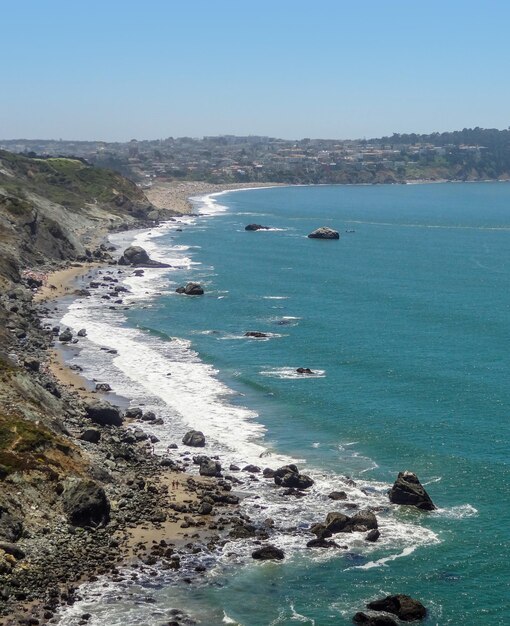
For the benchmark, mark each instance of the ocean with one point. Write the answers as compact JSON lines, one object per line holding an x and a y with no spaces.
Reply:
{"x":404,"y":322}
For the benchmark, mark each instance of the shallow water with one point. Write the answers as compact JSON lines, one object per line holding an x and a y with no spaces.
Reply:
{"x":404,"y":322}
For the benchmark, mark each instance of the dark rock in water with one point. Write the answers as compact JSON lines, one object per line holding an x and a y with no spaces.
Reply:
{"x":336,"y":522}
{"x":138,"y":273}
{"x":149,"y":416}
{"x":208,"y":467}
{"x":82,"y":332}
{"x":103,"y":387}
{"x":134,"y":412}
{"x":234,"y":468}
{"x":191,"y":289}
{"x":338,"y":495}
{"x":321,"y":543}
{"x":268,"y":553}
{"x":268,"y":472}
{"x":91,"y":435}
{"x":324,"y":233}
{"x":373,"y":535}
{"x":255,"y":333}
{"x":86,"y":504}
{"x":66,"y":336}
{"x":256,"y":227}
{"x":138,"y":257}
{"x":194,"y":438}
{"x":289,"y":476}
{"x":104,"y":413}
{"x":408,"y":490}
{"x":304,"y":370}
{"x":83,"y":293}
{"x":254,"y":469}
{"x":404,"y":607}
{"x":373,"y":620}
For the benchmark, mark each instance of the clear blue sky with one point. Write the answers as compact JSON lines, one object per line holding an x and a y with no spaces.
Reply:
{"x":122,"y":69}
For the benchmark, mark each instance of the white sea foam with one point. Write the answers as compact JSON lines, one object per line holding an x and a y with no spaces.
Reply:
{"x":382,"y":562}
{"x":457,"y":512}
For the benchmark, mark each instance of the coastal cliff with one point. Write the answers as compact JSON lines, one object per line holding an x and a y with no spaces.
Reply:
{"x":55,"y":479}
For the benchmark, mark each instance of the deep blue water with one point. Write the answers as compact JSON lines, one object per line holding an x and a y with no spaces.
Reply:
{"x":408,"y":319}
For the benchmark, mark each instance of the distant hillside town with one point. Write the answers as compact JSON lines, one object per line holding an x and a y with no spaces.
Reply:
{"x":470,"y":154}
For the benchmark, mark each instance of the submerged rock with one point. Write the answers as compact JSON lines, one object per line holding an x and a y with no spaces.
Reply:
{"x":255,"y":333}
{"x":324,"y":233}
{"x":408,"y":490}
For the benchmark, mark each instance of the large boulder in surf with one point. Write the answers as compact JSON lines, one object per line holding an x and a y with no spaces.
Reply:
{"x":136,"y":256}
{"x":267,"y":553}
{"x":104,"y":414}
{"x":404,"y":607}
{"x":256,"y":227}
{"x":289,"y":476}
{"x":194,"y":438}
{"x":86,"y":504}
{"x":209,"y":467}
{"x":191,"y":289}
{"x":408,"y":490}
{"x":324,"y":233}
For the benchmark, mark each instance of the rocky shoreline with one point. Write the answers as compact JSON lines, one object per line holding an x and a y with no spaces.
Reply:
{"x":111,"y":502}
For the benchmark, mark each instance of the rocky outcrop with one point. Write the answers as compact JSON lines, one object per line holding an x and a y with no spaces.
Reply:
{"x":324,"y":233}
{"x":86,"y":504}
{"x":304,"y":370}
{"x":267,"y":553}
{"x":104,"y":413}
{"x":194,"y":438}
{"x":256,"y":334}
{"x":408,"y":490}
{"x":404,"y":607}
{"x":256,"y":227}
{"x":191,"y":289}
{"x":136,"y":256}
{"x":289,"y":476}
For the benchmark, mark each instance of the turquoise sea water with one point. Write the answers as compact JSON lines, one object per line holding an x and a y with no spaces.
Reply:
{"x":406,"y":320}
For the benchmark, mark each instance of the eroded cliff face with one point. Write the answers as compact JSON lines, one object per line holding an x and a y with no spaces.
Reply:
{"x":51,"y":211}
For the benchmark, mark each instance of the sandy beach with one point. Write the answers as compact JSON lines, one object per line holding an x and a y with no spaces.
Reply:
{"x":175,"y":195}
